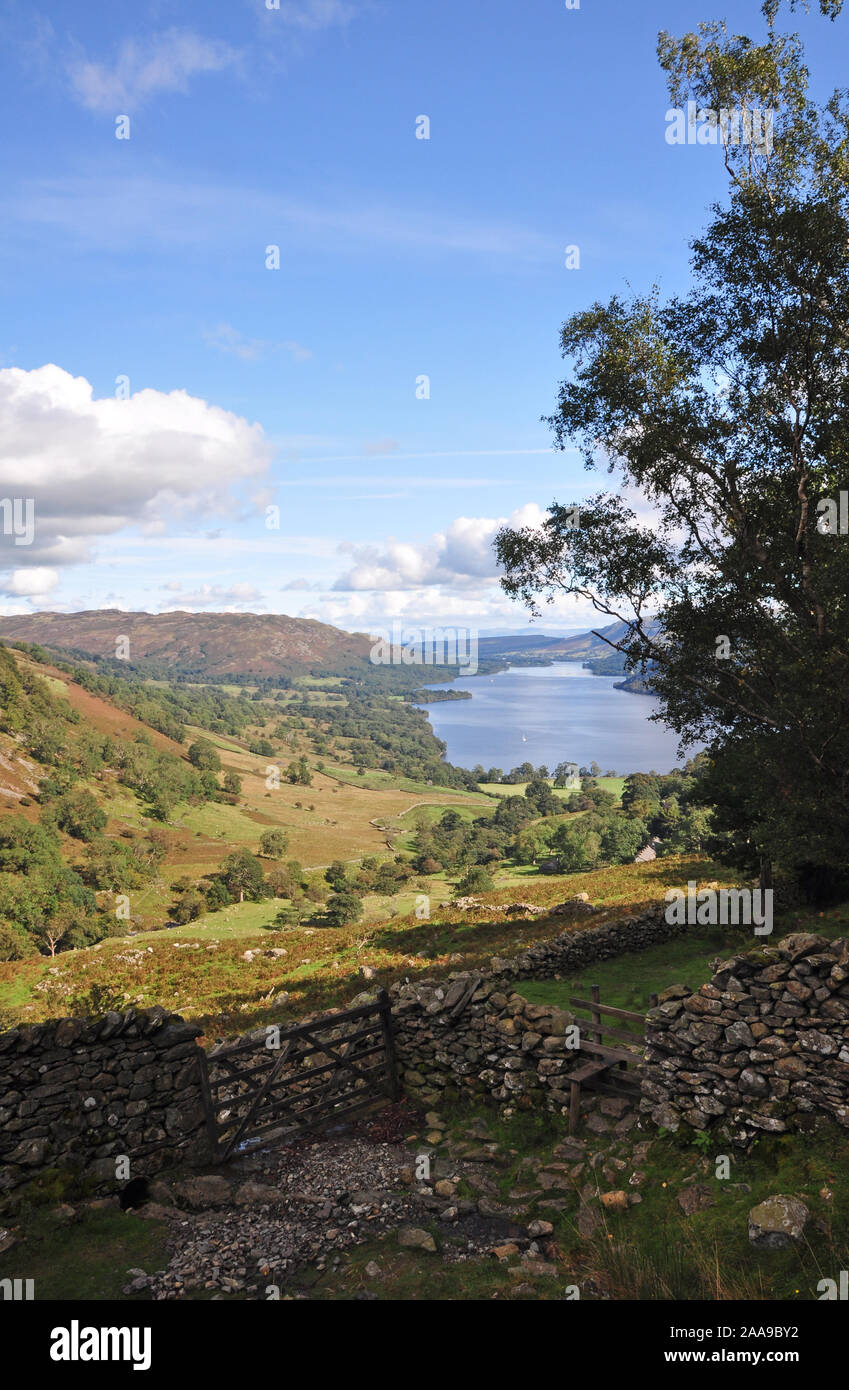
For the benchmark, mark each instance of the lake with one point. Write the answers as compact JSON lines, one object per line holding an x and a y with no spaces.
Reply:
{"x":553,"y":714}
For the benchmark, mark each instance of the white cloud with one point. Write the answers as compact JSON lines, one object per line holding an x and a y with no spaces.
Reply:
{"x":462,"y":555}
{"x":381,"y":446}
{"x":94,"y":467}
{"x":484,"y":608}
{"x":30,"y":583}
{"x":141,"y":68}
{"x":162,"y":215}
{"x":234,"y":599}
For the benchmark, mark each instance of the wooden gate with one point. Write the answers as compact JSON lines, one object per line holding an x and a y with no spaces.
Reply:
{"x":282,"y":1083}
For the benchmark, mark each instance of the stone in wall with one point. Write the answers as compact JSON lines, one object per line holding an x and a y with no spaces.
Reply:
{"x":76,"y":1093}
{"x":762,"y":1048}
{"x":472,"y":1035}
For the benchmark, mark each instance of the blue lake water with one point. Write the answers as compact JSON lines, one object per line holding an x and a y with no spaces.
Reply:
{"x":553,"y":714}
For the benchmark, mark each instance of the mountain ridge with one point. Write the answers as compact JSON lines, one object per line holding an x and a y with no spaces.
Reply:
{"x":210,"y":645}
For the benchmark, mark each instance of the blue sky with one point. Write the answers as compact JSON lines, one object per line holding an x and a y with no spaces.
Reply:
{"x":144,"y":260}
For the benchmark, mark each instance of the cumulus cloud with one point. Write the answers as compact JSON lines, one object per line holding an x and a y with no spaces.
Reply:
{"x":462,"y":555}
{"x":94,"y":467}
{"x":141,"y":68}
{"x":483,"y":609}
{"x":30,"y":583}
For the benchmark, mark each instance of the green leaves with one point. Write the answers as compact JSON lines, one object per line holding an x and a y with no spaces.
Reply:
{"x":724,"y":414}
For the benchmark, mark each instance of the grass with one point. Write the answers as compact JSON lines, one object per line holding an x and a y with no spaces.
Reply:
{"x":374,"y":779}
{"x":653,"y":1251}
{"x":610,"y":784}
{"x":86,"y":1259}
{"x":627,"y":981}
{"x":208,"y":979}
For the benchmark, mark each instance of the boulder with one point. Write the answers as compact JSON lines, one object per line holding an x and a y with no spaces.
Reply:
{"x":204,"y":1190}
{"x":778,"y":1222}
{"x":414,"y":1238}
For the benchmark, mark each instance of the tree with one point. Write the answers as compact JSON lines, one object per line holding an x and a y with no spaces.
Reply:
{"x":232,"y":783}
{"x":53,"y":931}
{"x":728,"y":410}
{"x":622,"y":839}
{"x":272,"y":844}
{"x":475,"y":880}
{"x":342,"y":909}
{"x":203,"y":756}
{"x":217,"y":895}
{"x":188,"y":905}
{"x":337,"y":876}
{"x":242,"y":874}
{"x":289,"y":916}
{"x":577,"y":846}
{"x":641,"y":794}
{"x":77,"y":813}
{"x":388,"y":879}
{"x":542,"y":798}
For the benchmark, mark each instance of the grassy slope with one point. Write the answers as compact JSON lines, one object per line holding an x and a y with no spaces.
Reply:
{"x":200,"y":970}
{"x":653,"y":1251}
{"x":336,"y":818}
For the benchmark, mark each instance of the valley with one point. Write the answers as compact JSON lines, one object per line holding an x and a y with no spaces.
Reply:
{"x":247,"y":856}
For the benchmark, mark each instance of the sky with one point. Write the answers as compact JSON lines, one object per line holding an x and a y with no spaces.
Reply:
{"x":263,"y":347}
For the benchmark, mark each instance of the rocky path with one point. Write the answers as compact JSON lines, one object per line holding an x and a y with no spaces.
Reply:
{"x":250,"y":1229}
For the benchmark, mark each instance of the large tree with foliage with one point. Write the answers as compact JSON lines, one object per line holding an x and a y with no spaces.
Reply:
{"x":727,"y":410}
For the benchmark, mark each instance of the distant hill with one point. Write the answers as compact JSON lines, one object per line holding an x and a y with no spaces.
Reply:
{"x":205,"y":646}
{"x":582,"y":646}
{"x":241,"y":647}
{"x":596,"y":654}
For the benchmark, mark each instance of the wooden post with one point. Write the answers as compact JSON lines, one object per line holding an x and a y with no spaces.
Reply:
{"x":393,"y":1088}
{"x":206,"y":1094}
{"x":574,"y":1104}
{"x":596,"y":1013}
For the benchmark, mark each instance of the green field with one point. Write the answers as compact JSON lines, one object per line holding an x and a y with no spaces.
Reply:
{"x":610,"y":784}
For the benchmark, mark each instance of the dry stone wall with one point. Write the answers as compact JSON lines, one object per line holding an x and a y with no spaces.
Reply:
{"x":764,"y":1047}
{"x":474,"y":1035}
{"x":75,"y":1094}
